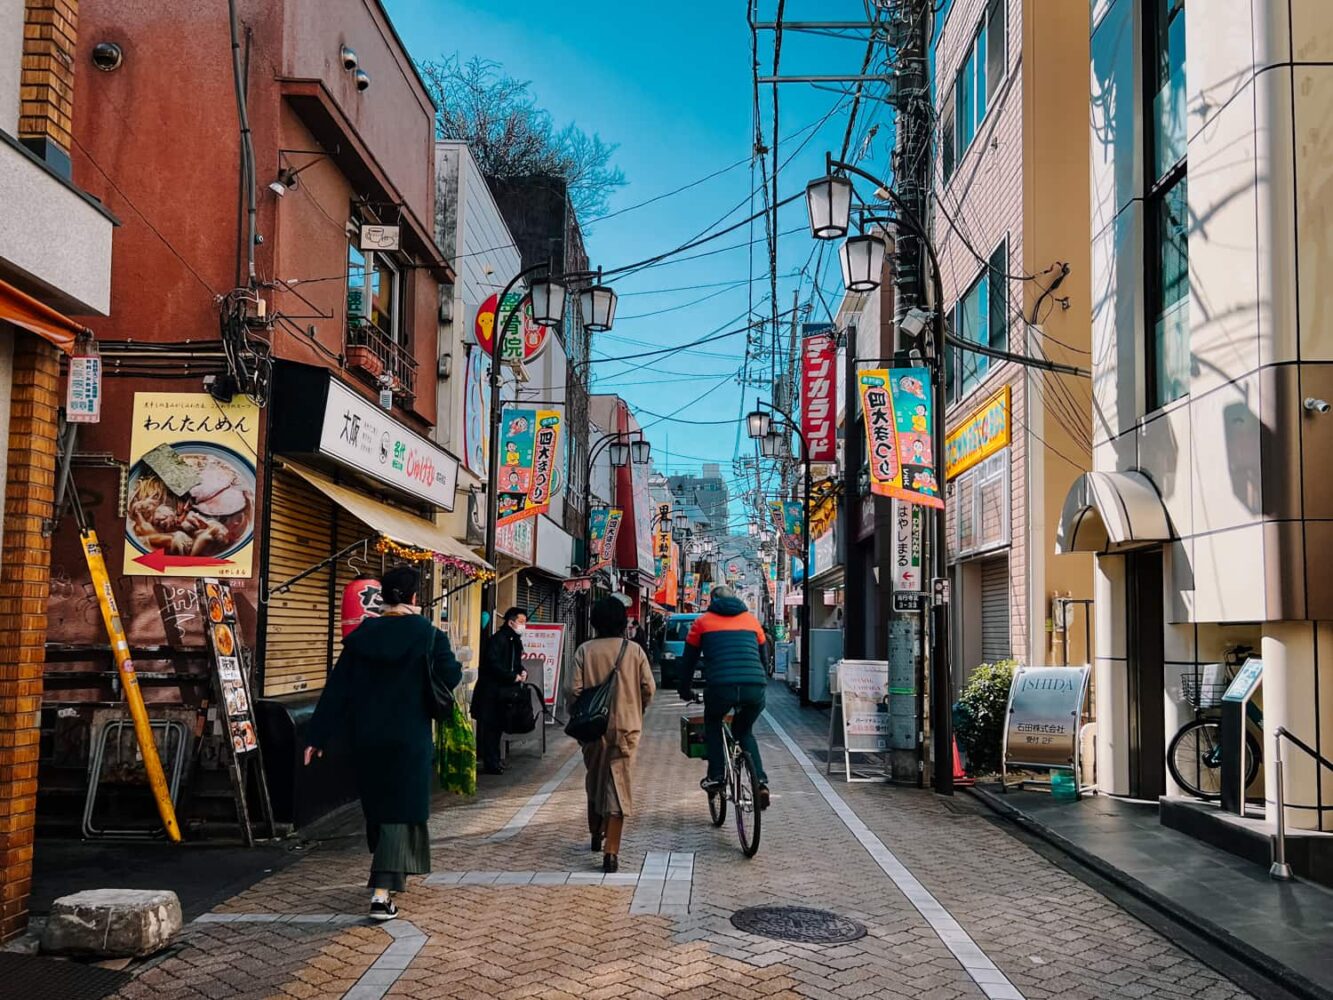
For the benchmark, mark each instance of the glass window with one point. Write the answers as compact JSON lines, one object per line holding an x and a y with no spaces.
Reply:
{"x":374,"y":288}
{"x":996,"y":46}
{"x":977,"y":80}
{"x":981,"y":316}
{"x":947,"y":141}
{"x":1169,"y":290}
{"x":1166,"y":68}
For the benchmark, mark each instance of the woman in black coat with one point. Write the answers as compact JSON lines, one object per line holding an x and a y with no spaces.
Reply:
{"x":378,"y":703}
{"x":501,"y":671}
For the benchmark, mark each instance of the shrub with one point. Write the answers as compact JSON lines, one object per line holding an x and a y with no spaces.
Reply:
{"x":979,"y":716}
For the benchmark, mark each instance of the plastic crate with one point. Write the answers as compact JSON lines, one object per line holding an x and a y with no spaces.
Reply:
{"x":692,"y":736}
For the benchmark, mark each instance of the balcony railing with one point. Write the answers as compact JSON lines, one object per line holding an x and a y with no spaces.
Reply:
{"x":372,"y":353}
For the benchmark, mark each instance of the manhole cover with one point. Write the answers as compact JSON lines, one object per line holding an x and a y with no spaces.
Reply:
{"x":50,"y":979}
{"x":797,"y":923}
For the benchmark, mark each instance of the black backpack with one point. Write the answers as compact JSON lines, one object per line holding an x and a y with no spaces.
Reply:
{"x":518,"y":714}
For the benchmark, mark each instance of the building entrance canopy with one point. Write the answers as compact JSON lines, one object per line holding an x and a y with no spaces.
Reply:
{"x":1112,"y":512}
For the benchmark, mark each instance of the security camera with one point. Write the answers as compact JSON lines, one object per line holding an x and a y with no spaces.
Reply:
{"x":362,"y":79}
{"x":1316,"y":405}
{"x":348,"y":56}
{"x":107,"y":56}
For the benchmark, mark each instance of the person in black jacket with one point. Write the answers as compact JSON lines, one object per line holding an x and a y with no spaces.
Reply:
{"x":376,"y":703}
{"x":501,"y":671}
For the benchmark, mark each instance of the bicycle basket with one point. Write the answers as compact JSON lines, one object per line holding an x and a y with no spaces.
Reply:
{"x":1202,"y":691}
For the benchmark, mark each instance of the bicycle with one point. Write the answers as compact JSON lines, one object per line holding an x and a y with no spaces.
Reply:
{"x":740,"y":785}
{"x":1194,"y":756}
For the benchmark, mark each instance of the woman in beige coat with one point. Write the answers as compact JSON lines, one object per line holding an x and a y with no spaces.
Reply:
{"x":611,"y":759}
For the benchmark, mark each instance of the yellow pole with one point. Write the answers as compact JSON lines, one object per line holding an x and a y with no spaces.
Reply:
{"x":120,"y":649}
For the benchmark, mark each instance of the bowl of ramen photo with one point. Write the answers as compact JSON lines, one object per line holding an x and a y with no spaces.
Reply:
{"x":191,"y":499}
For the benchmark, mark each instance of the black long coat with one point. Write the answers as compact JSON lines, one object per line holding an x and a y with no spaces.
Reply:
{"x":376,"y":705}
{"x":501,"y":663}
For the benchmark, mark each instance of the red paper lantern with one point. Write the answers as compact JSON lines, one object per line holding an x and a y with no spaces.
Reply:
{"x":361,"y":600}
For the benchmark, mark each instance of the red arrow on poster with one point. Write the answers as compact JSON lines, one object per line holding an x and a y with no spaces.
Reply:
{"x":161,"y":562}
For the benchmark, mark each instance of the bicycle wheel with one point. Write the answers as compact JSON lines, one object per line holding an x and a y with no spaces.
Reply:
{"x":747,"y":805}
{"x":1194,"y":759}
{"x":717,"y":805}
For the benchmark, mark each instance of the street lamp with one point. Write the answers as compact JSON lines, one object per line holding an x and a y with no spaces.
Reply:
{"x":771,"y":445}
{"x":862,"y":262}
{"x":547,"y":295}
{"x":619,"y":452}
{"x":829,"y":202}
{"x":640,"y":450}
{"x":758,"y":422}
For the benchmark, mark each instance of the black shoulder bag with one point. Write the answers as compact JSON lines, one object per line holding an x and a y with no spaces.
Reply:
{"x":591,"y":711}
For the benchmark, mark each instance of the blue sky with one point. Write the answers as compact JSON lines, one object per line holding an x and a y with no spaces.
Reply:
{"x":671,"y":84}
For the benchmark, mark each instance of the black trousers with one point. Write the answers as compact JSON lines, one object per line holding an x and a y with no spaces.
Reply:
{"x":489,"y":735}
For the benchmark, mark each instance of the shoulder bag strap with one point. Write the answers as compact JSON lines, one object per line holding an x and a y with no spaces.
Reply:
{"x":624,"y":644}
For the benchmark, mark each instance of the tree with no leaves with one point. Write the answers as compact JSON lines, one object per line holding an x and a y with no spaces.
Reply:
{"x":497,"y":116}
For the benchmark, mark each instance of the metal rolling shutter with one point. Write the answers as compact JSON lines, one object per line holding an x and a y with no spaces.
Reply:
{"x":538,"y":597}
{"x":995,"y":609}
{"x":348,"y":531}
{"x":297,"y":639}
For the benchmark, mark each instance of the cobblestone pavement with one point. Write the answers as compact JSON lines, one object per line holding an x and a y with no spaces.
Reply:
{"x":1040,"y":932}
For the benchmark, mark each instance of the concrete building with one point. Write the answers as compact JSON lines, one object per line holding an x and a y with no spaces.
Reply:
{"x":55,"y":261}
{"x":1210,"y":501}
{"x":707,"y":491}
{"x":1009,"y":190}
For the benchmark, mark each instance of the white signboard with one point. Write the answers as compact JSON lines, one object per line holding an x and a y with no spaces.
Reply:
{"x":358,"y":434}
{"x":380,"y":237}
{"x":863,"y":685}
{"x":543,"y":645}
{"x":83,"y":399}
{"x":1045,"y":704}
{"x":907,"y":546}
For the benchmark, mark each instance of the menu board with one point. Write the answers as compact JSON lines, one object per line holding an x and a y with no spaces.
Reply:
{"x":228,"y":658}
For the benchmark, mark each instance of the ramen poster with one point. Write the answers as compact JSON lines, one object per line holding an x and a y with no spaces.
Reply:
{"x":191,"y":494}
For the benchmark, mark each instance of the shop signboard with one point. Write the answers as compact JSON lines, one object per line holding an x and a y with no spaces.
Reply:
{"x":862,"y":688}
{"x":908,"y":531}
{"x":669,"y":585}
{"x":980,"y":436}
{"x":476,"y":407}
{"x":643,"y":517}
{"x":522,"y":340}
{"x":229,"y":668}
{"x":543,"y":644}
{"x":691,"y":588}
{"x":1045,"y":704}
{"x":190,"y":495}
{"x":705,"y":593}
{"x":899,"y":431}
{"x":865,"y":517}
{"x":613,"y":522}
{"x":787,"y":518}
{"x":518,"y":539}
{"x":529,"y":445}
{"x":818,"y":387}
{"x":597,"y":521}
{"x":826,"y":551}
{"x":358,"y":433}
{"x":83,"y":391}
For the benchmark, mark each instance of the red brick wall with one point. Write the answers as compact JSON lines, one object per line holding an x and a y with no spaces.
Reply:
{"x":25,"y":562}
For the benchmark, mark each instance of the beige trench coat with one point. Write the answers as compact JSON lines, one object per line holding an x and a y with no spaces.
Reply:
{"x":610,"y":760}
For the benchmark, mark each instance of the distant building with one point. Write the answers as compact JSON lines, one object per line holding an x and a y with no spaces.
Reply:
{"x":708,"y":492}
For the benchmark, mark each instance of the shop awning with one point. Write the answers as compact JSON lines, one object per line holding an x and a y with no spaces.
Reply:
{"x":24,"y":311}
{"x":1112,"y":512}
{"x":395,"y":524}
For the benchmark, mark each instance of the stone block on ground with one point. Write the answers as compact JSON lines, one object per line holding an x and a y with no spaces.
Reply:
{"x":112,"y":923}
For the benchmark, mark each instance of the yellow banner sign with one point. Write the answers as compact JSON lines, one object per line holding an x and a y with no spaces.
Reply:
{"x":191,"y":504}
{"x":984,"y":433}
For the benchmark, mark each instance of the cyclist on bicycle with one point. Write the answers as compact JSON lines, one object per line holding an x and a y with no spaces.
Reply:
{"x":731,"y":643}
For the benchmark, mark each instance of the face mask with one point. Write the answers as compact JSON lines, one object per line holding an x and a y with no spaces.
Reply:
{"x":518,"y":627}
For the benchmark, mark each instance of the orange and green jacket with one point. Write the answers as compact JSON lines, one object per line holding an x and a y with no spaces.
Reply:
{"x":730,"y":641}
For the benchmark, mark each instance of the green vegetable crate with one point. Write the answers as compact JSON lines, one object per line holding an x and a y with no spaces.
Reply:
{"x":692,"y":736}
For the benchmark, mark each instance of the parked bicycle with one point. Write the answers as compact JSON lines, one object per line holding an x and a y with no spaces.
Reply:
{"x":1195,"y":754}
{"x":740,"y":786}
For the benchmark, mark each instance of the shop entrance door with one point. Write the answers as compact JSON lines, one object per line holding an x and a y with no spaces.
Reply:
{"x":1146,"y":652}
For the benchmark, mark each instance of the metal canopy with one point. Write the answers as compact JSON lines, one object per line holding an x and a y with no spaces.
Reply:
{"x":1112,"y":512}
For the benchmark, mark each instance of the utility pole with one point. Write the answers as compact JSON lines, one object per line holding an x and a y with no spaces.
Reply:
{"x":910,"y":36}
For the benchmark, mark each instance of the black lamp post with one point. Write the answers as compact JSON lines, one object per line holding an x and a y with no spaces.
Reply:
{"x":548,"y":295}
{"x":761,"y":427}
{"x":829,"y":203}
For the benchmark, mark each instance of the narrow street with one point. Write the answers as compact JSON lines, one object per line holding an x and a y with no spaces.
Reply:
{"x":953,"y":905}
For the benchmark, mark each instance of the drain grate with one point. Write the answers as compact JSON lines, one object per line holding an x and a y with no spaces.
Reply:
{"x":798,"y":923}
{"x":51,"y":979}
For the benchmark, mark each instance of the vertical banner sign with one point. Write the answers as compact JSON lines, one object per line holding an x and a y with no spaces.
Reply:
{"x":476,"y":405}
{"x":705,"y":593}
{"x":662,"y":544}
{"x":899,"y":428}
{"x":907,"y":546}
{"x":668,"y":585}
{"x":597,"y":520}
{"x":787,"y":517}
{"x":190,"y":496}
{"x":613,"y":520}
{"x":691,"y":588}
{"x":542,"y":646}
{"x":818,"y":383}
{"x":529,"y":445}
{"x":83,"y":397}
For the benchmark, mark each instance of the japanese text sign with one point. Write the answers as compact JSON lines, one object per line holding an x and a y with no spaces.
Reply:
{"x":818,"y":386}
{"x":1044,"y":708}
{"x":529,"y":446}
{"x":899,"y":426}
{"x":787,"y":517}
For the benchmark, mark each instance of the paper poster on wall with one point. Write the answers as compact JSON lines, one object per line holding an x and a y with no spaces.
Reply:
{"x":190,"y":494}
{"x":543,"y":646}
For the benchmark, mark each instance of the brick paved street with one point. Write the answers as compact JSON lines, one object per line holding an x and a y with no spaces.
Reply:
{"x":518,"y":914}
